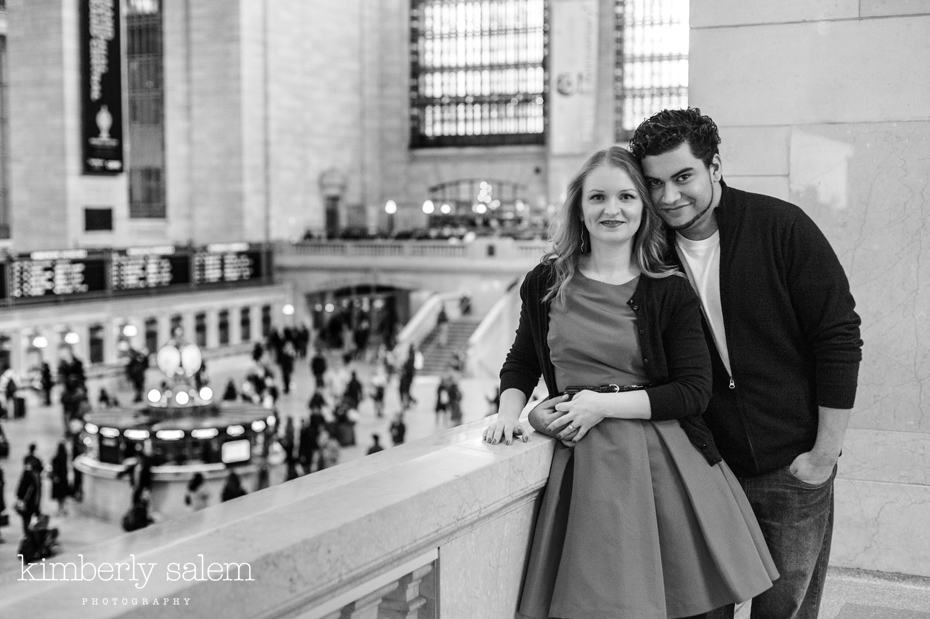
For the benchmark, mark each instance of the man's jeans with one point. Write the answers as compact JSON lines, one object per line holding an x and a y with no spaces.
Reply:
{"x":797,"y":521}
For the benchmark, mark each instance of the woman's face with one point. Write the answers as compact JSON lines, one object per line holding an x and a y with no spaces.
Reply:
{"x":611,"y":207}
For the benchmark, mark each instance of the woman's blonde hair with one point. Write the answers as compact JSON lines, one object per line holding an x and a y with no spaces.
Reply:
{"x":570,"y":237}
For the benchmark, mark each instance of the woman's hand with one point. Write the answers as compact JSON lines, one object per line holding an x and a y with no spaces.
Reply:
{"x":504,"y":430}
{"x":506,"y":426}
{"x":544,"y":413}
{"x":577,"y":416}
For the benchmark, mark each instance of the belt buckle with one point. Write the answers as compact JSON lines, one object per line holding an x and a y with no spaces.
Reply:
{"x":612,"y":388}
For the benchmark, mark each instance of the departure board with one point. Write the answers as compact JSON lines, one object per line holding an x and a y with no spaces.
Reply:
{"x":34,"y":278}
{"x":212,"y":267}
{"x":142,"y":271}
{"x":55,"y":274}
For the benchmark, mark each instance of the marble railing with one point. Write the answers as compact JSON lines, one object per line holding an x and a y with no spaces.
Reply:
{"x":482,"y":248}
{"x":488,"y":345}
{"x":438,"y":527}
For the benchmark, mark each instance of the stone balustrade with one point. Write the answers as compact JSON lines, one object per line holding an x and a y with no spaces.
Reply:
{"x":438,"y":527}
{"x":500,"y":249}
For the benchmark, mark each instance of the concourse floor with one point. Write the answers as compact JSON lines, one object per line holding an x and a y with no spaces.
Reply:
{"x":43,"y":425}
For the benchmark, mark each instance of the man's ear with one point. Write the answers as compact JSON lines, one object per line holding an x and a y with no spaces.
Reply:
{"x":716,"y":169}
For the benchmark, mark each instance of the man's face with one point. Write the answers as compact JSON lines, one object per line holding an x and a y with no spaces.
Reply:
{"x":684,"y":190}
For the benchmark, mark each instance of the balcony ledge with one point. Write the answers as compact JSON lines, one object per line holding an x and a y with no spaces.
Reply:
{"x":316,"y":540}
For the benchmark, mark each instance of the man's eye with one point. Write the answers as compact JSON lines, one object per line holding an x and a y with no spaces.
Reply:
{"x":684,"y":178}
{"x":651,"y":182}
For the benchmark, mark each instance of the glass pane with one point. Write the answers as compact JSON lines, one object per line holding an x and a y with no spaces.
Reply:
{"x":478,"y":71}
{"x":651,"y":71}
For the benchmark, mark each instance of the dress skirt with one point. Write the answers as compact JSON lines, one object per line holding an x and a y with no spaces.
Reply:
{"x":635,"y":523}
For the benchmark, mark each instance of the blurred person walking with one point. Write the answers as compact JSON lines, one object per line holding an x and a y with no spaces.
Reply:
{"x":61,"y":486}
{"x":376,"y":445}
{"x":442,"y":325}
{"x":398,"y":429}
{"x":29,"y":494}
{"x":197,"y":496}
{"x":232,"y":489}
{"x":329,"y":450}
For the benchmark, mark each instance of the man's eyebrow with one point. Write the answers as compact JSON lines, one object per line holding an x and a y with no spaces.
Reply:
{"x":673,"y":175}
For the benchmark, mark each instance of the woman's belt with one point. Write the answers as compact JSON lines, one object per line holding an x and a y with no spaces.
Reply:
{"x":611,"y":388}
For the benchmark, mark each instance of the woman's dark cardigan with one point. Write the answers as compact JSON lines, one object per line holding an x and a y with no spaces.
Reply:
{"x":675,"y":356}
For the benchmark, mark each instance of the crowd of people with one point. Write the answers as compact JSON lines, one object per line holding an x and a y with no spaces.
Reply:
{"x":345,"y":380}
{"x":350,"y":375}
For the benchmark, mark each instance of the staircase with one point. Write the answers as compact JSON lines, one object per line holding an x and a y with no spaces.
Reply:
{"x":436,"y":358}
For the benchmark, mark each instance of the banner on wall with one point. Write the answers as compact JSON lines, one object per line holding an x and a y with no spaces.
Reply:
{"x":573,"y":75}
{"x":102,"y":88}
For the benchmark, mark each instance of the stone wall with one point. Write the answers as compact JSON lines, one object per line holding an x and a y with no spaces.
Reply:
{"x":826,"y":104}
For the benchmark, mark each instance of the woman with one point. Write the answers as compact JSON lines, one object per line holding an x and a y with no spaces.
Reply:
{"x":61,"y":487}
{"x":640,"y":517}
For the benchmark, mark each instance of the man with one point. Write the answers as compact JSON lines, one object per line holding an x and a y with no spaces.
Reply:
{"x":74,"y":384}
{"x":784,"y":336}
{"x":318,"y":369}
{"x":136,"y":366}
{"x":29,"y":493}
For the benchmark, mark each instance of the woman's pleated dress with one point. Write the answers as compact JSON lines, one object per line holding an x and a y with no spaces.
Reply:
{"x":633,"y":522}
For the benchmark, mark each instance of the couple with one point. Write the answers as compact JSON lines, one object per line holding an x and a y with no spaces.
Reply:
{"x":729,"y":331}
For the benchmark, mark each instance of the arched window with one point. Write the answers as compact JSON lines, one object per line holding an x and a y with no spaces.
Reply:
{"x":651,"y":67}
{"x":478,"y":72}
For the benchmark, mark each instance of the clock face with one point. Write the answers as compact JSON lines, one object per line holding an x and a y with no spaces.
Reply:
{"x":169,"y":360}
{"x":191,"y":359}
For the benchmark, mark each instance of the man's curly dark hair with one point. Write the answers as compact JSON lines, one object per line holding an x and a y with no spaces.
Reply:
{"x":668,"y":129}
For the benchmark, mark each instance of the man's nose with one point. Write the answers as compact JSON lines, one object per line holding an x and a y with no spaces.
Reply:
{"x":669,"y":193}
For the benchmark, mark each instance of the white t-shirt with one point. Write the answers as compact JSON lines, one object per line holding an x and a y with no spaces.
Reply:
{"x":701,"y":260}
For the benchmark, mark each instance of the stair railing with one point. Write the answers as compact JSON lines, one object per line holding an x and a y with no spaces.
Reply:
{"x":424,"y":321}
{"x":488,"y":345}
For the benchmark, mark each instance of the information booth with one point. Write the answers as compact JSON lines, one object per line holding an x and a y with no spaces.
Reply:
{"x":179,"y":430}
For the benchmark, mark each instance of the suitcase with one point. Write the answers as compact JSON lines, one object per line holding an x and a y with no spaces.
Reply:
{"x":19,"y":407}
